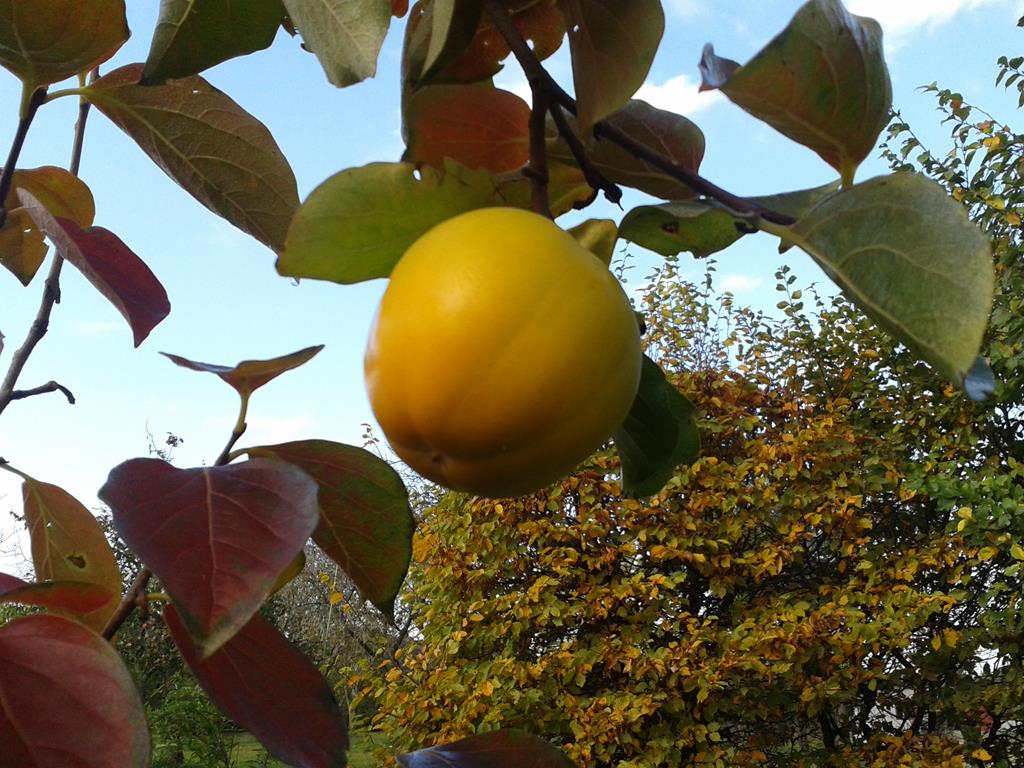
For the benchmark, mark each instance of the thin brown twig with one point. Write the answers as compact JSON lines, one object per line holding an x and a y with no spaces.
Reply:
{"x":537,"y":170}
{"x":51,"y":286}
{"x":594,"y":177}
{"x":50,"y":386}
{"x":33,"y":103}
{"x":602,"y":130}
{"x":128,"y":603}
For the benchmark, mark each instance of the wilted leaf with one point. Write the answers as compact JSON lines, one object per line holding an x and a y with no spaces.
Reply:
{"x":907,"y":255}
{"x":498,"y":749}
{"x":822,"y":82}
{"x":659,"y":434}
{"x":216,"y":537}
{"x":667,"y":133}
{"x":110,"y":265}
{"x":22,"y":247}
{"x":704,"y":228}
{"x":75,"y":597}
{"x":345,"y":35}
{"x":597,"y":236}
{"x":477,"y":126}
{"x":46,"y":41}
{"x":250,"y":375}
{"x":265,"y":684}
{"x":366,"y":524}
{"x":68,"y":699}
{"x":68,"y":544}
{"x":218,"y":152}
{"x":610,"y":36}
{"x":193,"y":35}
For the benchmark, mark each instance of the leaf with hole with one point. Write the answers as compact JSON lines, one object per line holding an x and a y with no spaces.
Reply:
{"x":68,"y":544}
{"x":366,"y":524}
{"x":670,"y":135}
{"x":193,"y":35}
{"x":907,"y":255}
{"x":345,"y":35}
{"x":822,"y":82}
{"x":265,"y":684}
{"x":249,"y":375}
{"x":477,"y":126}
{"x":659,"y":434}
{"x":46,"y":41}
{"x":219,"y":153}
{"x":704,"y":228}
{"x":67,"y":699}
{"x":507,"y":748}
{"x":217,"y":537}
{"x":110,"y":265}
{"x":619,"y":36}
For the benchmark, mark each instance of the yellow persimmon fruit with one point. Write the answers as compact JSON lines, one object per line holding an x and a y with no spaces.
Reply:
{"x":503,"y":353}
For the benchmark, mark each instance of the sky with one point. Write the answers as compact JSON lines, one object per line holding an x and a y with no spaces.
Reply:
{"x":228,"y":303}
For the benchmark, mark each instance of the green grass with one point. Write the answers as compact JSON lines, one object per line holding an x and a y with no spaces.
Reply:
{"x":248,"y":752}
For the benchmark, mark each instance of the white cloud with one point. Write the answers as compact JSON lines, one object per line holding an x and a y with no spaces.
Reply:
{"x":678,"y":94}
{"x":512,"y":79}
{"x":737,"y":283}
{"x":902,"y":18}
{"x":687,"y":9}
{"x":91,"y":329}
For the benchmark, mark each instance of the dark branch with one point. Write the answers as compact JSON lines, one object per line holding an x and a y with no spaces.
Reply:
{"x":130,"y":601}
{"x":34,"y":102}
{"x":50,"y":386}
{"x":594,"y":177}
{"x":602,"y":130}
{"x":537,"y":171}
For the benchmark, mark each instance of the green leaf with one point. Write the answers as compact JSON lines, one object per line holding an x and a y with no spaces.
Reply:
{"x":249,"y":375}
{"x":610,"y":36}
{"x":366,"y":524}
{"x":907,"y":255}
{"x":357,"y":224}
{"x":218,"y":152}
{"x":597,"y":236}
{"x":704,"y":228}
{"x":659,"y":434}
{"x":46,"y":41}
{"x":822,"y":82}
{"x":453,"y":24}
{"x":345,"y":35}
{"x":193,"y":35}
{"x":667,"y":133}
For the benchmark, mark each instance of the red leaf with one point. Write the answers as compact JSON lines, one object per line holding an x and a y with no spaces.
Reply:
{"x":498,"y":749}
{"x":365,"y":524}
{"x":265,"y":684}
{"x":66,"y":698}
{"x":217,"y":537}
{"x":478,"y":127}
{"x":77,"y":597}
{"x":107,"y":263}
{"x":8,"y":582}
{"x":249,"y":375}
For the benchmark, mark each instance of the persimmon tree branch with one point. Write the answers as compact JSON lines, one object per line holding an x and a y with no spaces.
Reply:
{"x":32,"y":102}
{"x":537,"y":170}
{"x":535,"y":71}
{"x":50,"y":386}
{"x":51,"y":286}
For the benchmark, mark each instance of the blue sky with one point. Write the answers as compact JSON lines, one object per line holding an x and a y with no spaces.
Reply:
{"x":228,"y":303}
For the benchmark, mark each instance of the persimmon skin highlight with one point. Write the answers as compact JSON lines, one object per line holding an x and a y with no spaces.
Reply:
{"x":503,"y":353}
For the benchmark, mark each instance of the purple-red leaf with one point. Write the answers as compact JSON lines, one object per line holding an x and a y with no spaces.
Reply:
{"x":107,"y":263}
{"x":265,"y":684}
{"x":76,"y":597}
{"x":8,"y":582}
{"x":68,"y":544}
{"x":498,"y":749}
{"x":217,"y":537}
{"x":250,"y":375}
{"x":365,"y":524}
{"x":66,"y":699}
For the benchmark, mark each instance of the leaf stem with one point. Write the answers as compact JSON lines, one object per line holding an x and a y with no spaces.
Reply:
{"x":236,"y":433}
{"x":31,"y":101}
{"x":533,"y":70}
